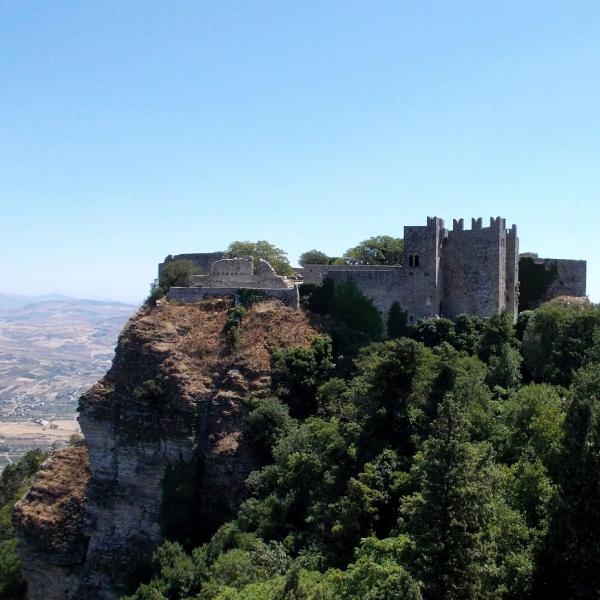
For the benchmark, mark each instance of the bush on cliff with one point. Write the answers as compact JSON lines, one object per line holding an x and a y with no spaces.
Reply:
{"x":14,"y":481}
{"x":176,"y":273}
{"x":233,"y":325}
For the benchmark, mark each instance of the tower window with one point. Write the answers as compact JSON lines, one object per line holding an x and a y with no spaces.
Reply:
{"x":416,"y":260}
{"x":411,"y":263}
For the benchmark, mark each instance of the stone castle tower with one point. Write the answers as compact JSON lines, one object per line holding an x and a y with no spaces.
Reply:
{"x":445,"y":273}
{"x":460,"y":271}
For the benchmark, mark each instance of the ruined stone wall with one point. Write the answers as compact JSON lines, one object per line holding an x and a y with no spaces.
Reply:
{"x":541,"y":279}
{"x":570,"y":279}
{"x":202,"y":260}
{"x":190,"y":295}
{"x":382,"y":286}
{"x":241,"y":273}
{"x":474,"y":269}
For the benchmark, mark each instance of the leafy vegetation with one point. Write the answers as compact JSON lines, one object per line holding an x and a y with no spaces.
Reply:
{"x":176,"y":273}
{"x":378,"y":250}
{"x":233,"y":324}
{"x":458,"y":460}
{"x":262,"y":249}
{"x":14,"y":482}
{"x":315,"y":257}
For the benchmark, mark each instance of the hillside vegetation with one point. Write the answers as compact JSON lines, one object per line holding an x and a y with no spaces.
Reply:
{"x":461,"y":460}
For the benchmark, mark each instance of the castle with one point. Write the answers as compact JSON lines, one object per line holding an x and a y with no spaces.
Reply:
{"x":445,"y":273}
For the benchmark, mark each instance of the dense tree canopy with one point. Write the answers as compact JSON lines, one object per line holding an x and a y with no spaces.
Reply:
{"x":314,"y":257}
{"x":378,"y":250}
{"x":458,"y":460}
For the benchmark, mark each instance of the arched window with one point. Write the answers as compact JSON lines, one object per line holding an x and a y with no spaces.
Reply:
{"x":411,"y":263}
{"x":416,"y":260}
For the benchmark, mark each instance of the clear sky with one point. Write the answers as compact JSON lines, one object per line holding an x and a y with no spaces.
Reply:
{"x":132,"y":130}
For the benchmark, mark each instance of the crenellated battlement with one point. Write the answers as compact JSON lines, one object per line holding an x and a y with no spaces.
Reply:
{"x":445,"y":272}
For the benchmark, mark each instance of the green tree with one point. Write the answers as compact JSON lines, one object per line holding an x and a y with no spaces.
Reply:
{"x":533,"y":418}
{"x":314,"y":257}
{"x":298,"y":373}
{"x":351,"y":307}
{"x":264,"y":250}
{"x":499,"y":330}
{"x":397,"y":322}
{"x":377,"y":574}
{"x":14,"y":481}
{"x":450,"y":518}
{"x":266,"y":424}
{"x":378,"y":250}
{"x":504,"y":368}
{"x":433,"y":332}
{"x":468,"y":331}
{"x":572,"y":557}
{"x":176,"y":273}
{"x":559,"y":340}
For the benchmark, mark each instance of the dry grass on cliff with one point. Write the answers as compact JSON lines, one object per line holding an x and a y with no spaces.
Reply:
{"x":192,"y":335}
{"x":58,"y":488}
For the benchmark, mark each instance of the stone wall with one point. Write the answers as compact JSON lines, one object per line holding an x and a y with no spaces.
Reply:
{"x":382,"y":286}
{"x":241,"y":273}
{"x":202,"y":260}
{"x":446,"y":273}
{"x":316,"y":273}
{"x":542,"y":279}
{"x":474,"y":269}
{"x":571,"y":277}
{"x":190,"y":295}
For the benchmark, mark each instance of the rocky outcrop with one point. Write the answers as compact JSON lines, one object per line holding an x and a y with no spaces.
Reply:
{"x":174,"y":395}
{"x":50,"y":525}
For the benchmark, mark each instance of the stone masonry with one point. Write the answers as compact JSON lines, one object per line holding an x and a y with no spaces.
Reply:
{"x":450,"y":272}
{"x":445,"y":273}
{"x":228,"y":275}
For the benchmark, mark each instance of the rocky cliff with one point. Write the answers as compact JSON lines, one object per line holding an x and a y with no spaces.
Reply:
{"x":174,"y":395}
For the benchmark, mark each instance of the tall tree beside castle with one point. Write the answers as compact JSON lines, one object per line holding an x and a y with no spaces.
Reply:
{"x":262,"y":249}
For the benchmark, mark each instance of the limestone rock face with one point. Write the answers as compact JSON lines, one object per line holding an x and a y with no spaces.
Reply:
{"x":50,"y":525}
{"x":175,"y":393}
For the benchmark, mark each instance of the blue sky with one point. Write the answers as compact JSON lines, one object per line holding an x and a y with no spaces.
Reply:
{"x":131,"y":130}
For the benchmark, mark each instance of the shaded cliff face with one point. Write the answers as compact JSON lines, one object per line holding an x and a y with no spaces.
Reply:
{"x":175,"y":394}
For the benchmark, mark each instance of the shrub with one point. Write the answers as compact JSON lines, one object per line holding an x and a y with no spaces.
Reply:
{"x":231,"y":329}
{"x":150,"y":390}
{"x":266,"y":424}
{"x":176,"y":273}
{"x":248,"y":297}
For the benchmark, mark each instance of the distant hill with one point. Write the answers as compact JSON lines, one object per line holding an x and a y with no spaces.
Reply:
{"x":52,"y":348}
{"x":11,"y":301}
